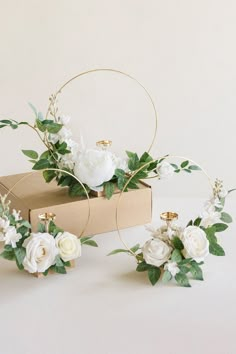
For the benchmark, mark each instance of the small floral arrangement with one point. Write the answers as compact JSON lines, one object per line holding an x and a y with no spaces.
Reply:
{"x":175,"y":252}
{"x":49,"y":249}
{"x":97,"y":168}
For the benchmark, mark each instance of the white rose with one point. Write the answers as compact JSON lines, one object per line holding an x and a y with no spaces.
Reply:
{"x":41,"y":252}
{"x":4,"y":224}
{"x":94,"y":167}
{"x":196,"y":245}
{"x":156,"y":252}
{"x":172,"y":267}
{"x":165,"y":170}
{"x":12,"y":237}
{"x":69,"y":246}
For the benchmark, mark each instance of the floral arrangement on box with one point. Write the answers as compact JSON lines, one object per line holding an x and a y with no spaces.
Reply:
{"x":49,"y":250}
{"x":97,"y":168}
{"x":174,"y":251}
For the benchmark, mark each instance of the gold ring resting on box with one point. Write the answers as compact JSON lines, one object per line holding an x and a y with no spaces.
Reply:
{"x":114,"y":71}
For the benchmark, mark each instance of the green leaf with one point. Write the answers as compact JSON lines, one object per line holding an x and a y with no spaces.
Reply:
{"x":66,"y":181}
{"x":178,"y":244}
{"x":41,"y":227}
{"x":40,"y":116}
{"x":119,"y":172}
{"x":119,"y":250}
{"x":176,"y":256}
{"x":41,"y":165}
{"x":143,"y":266}
{"x":135,"y":248}
{"x":216,"y":249}
{"x":154,"y":275}
{"x":174,"y":166}
{"x":210,"y":233}
{"x":197,"y":222}
{"x":33,"y":109}
{"x":60,"y":270}
{"x":49,"y":175}
{"x":133,"y":163}
{"x":45,"y":155}
{"x":6,"y":121}
{"x":130,"y":154}
{"x":76,"y":190}
{"x":109,"y":188}
{"x":182,"y":280}
{"x":166,"y":276}
{"x":25,"y":223}
{"x":40,"y":125}
{"x":184,"y":164}
{"x":90,"y":243}
{"x":194,"y":168}
{"x":145,"y":158}
{"x":8,"y":254}
{"x":20,"y":256}
{"x":54,"y":128}
{"x":186,"y":170}
{"x":225,"y":217}
{"x":220,"y":227}
{"x":196,"y":271}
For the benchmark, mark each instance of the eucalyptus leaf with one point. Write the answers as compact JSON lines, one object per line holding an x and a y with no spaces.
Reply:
{"x":225,"y":217}
{"x":166,"y":276}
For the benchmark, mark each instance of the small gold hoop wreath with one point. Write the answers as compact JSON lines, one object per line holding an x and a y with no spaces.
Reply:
{"x":54,"y":97}
{"x":22,"y":179}
{"x":152,"y":177}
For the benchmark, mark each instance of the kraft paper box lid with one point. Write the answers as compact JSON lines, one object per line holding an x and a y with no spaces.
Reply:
{"x":33,"y":196}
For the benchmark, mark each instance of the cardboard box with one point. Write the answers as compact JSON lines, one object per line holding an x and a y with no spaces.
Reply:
{"x":33,"y":196}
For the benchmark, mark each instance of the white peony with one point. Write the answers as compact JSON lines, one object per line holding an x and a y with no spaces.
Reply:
{"x":4,"y":224}
{"x":94,"y":167}
{"x":156,"y":252}
{"x":12,"y":237}
{"x":172,"y":267}
{"x":69,"y":246}
{"x":196,"y":244}
{"x":165,"y":170}
{"x":41,"y":252}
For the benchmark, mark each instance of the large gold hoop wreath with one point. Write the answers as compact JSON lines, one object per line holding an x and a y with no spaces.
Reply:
{"x":114,"y":71}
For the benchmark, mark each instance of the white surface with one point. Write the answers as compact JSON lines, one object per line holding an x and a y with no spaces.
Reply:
{"x":182,"y":51}
{"x":104,"y":307}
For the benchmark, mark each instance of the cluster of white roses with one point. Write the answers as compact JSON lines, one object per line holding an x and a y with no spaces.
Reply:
{"x":42,"y":249}
{"x":8,"y":233}
{"x":157,"y":251}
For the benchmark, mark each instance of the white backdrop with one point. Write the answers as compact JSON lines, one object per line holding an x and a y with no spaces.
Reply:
{"x":182,"y":51}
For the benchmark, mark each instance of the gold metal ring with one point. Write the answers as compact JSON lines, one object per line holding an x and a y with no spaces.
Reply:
{"x":118,"y":72}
